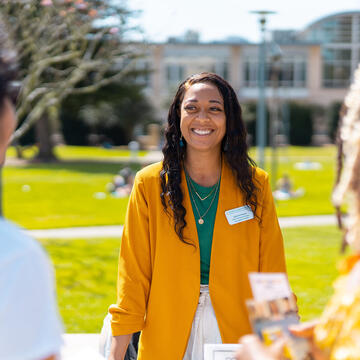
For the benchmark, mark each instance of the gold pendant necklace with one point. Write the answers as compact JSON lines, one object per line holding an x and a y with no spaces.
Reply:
{"x":201,"y":217}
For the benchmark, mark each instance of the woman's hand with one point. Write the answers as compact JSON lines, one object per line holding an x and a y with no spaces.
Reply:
{"x":119,"y":345}
{"x":253,"y":349}
{"x":306,"y":331}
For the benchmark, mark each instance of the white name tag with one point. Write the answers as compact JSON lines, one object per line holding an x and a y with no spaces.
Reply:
{"x":238,"y":215}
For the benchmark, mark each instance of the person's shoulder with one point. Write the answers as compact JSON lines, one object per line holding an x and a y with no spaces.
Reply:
{"x":260,"y":175}
{"x":15,"y":243}
{"x":27,"y":270}
{"x":150,"y":172}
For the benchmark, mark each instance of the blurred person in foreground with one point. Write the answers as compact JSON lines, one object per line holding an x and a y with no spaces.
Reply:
{"x":336,"y":335}
{"x":29,"y":324}
{"x":197,"y":223}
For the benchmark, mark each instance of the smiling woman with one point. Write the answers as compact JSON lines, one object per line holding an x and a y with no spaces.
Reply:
{"x":203,"y":121}
{"x":196,"y":224}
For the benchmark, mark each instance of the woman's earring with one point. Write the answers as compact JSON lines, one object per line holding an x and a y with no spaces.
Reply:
{"x":181,"y":142}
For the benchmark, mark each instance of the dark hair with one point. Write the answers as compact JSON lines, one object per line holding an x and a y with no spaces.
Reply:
{"x":234,"y":147}
{"x":8,"y":67}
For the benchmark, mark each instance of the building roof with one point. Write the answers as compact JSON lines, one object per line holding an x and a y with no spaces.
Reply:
{"x":328,"y":17}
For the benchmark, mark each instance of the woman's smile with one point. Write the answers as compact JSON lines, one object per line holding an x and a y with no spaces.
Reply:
{"x":202,"y":132}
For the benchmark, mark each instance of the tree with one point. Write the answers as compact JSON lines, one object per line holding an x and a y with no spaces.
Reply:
{"x":121,"y":107}
{"x":61,"y":53}
{"x":301,"y":123}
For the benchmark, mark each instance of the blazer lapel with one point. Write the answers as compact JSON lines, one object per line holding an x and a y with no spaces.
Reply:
{"x":190,"y":231}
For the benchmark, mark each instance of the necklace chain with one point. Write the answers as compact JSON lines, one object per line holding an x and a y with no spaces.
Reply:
{"x":198,"y":195}
{"x":201,"y":217}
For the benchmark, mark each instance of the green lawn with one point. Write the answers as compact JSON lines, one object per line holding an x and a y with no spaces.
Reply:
{"x":317,"y":184}
{"x":86,"y":274}
{"x":312,"y":254}
{"x":78,"y":153}
{"x":59,"y":195}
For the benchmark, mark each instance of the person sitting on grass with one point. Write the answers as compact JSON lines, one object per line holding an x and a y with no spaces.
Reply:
{"x":284,"y":189}
{"x":122,"y":183}
{"x":30,"y":328}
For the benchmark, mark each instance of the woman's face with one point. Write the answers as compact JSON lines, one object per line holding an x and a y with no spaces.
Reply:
{"x":202,"y":118}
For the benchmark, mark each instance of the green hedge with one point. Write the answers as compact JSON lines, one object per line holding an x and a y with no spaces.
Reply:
{"x":300,"y":123}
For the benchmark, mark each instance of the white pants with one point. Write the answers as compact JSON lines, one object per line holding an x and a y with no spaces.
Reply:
{"x":105,"y":337}
{"x":204,"y":330}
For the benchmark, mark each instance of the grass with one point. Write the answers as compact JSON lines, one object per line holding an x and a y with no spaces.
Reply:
{"x":78,"y":153}
{"x":312,"y":254}
{"x":61,"y":195}
{"x":317,"y":184}
{"x":41,"y":196}
{"x":86,"y":273}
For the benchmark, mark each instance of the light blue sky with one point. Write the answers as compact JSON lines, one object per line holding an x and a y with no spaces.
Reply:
{"x":217,"y":19}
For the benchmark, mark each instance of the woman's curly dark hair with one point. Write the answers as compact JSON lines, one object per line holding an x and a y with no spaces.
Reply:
{"x":234,"y":147}
{"x":8,"y":66}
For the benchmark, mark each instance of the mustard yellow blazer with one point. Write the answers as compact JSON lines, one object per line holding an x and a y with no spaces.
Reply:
{"x":159,"y":276}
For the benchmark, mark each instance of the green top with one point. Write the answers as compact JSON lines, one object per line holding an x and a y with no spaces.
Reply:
{"x":205,"y":230}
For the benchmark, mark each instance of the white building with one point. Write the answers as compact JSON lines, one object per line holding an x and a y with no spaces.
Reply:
{"x":316,"y":66}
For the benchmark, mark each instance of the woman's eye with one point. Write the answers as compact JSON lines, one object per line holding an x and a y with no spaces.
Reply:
{"x":215,"y":109}
{"x":189,"y":107}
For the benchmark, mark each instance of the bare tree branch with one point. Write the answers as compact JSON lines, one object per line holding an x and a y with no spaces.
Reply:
{"x":62,"y":53}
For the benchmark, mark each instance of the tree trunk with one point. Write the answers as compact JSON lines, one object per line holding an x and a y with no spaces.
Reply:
{"x":18,"y":149}
{"x":44,"y":140}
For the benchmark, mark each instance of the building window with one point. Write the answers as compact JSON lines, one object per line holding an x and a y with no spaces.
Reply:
{"x":334,"y":30}
{"x":251,"y":73}
{"x":292,"y":72}
{"x":336,"y":67}
{"x":339,"y":36}
{"x":174,"y":74}
{"x":287,"y":76}
{"x":222,"y":69}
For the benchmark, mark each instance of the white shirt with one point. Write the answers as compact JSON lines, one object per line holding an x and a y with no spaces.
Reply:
{"x":30,"y":328}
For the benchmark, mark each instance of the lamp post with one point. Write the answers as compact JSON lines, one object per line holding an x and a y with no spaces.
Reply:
{"x":261,"y":105}
{"x":275,"y":57}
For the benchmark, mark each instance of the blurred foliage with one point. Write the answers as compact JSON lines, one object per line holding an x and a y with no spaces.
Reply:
{"x":112,"y":113}
{"x":67,"y":49}
{"x":299,"y":122}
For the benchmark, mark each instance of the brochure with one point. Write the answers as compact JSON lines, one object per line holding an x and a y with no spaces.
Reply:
{"x":271,"y":312}
{"x":220,"y":351}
